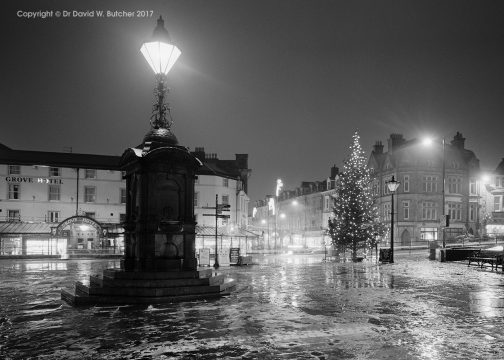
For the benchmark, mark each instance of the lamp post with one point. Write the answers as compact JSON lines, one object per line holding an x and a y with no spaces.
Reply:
{"x":428,"y":142}
{"x":279,"y":185}
{"x":161,"y":55}
{"x":392,"y":186}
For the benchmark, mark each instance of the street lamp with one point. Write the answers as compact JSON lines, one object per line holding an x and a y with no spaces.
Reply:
{"x":279,"y":185}
{"x":392,"y":186}
{"x":161,"y":55}
{"x":428,"y":142}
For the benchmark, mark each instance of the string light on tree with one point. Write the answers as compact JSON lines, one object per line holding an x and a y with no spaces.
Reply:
{"x":355,"y":222}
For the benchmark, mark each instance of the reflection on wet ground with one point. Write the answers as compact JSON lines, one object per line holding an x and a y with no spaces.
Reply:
{"x":284,"y":307}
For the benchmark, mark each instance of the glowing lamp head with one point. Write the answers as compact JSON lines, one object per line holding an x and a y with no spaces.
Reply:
{"x":427,"y":142}
{"x":159,"y":51}
{"x":485,"y":179}
{"x":393,"y":184}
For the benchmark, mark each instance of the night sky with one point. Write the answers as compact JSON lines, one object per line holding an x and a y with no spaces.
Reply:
{"x":286,"y":81}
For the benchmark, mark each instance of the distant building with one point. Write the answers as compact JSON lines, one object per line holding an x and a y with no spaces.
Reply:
{"x":419,"y":169}
{"x":300,"y":217}
{"x":53,"y":203}
{"x":492,"y":202}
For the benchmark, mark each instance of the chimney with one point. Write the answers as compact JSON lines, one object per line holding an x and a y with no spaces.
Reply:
{"x":378,"y":148}
{"x":334,"y":172}
{"x":199,"y":152}
{"x":458,"y":141}
{"x":394,"y":141}
{"x":241,"y":161}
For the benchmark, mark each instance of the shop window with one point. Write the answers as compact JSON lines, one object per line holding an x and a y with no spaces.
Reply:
{"x":54,"y":172}
{"x":90,"y":174}
{"x":89,"y":194}
{"x":14,"y":170}
{"x":54,"y":192}
{"x":14,"y":192}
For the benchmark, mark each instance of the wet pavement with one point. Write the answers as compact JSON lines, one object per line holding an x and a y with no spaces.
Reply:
{"x":286,"y":307}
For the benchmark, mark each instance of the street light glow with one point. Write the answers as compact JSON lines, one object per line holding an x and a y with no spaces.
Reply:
{"x":160,"y":53}
{"x":427,"y":141}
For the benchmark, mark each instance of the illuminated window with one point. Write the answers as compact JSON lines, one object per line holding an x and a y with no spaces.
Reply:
{"x":54,"y":192}
{"x":54,"y":172}
{"x":14,"y":192}
{"x":14,"y":170}
{"x":90,"y":174}
{"x":89,"y":194}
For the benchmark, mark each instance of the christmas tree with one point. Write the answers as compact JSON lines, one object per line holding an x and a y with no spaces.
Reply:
{"x":355,"y":224}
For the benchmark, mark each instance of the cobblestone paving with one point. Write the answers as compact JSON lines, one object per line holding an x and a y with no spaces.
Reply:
{"x":286,"y":307}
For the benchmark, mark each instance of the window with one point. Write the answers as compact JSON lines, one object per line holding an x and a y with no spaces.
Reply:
{"x":123,"y":196}
{"x":455,"y":165}
{"x":386,"y":190}
{"x":54,"y":192}
{"x":54,"y":172}
{"x":122,"y":218}
{"x":429,"y":210}
{"x":90,"y":174}
{"x":196,"y":196}
{"x":225,"y":199}
{"x":53,"y":216}
{"x":14,"y":170}
{"x":499,"y":203}
{"x":499,"y":181}
{"x":454,"y":184}
{"x":455,"y":211}
{"x":406,"y":210}
{"x":430,"y":183}
{"x":225,"y":182}
{"x":472,"y":212}
{"x":327,"y":205}
{"x":13,"y":215}
{"x":123,"y":175}
{"x":406,"y":183}
{"x":473,"y":187}
{"x":90,"y":214}
{"x":14,"y":192}
{"x":89,"y":194}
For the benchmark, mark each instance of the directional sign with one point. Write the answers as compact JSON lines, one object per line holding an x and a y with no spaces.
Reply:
{"x":224,"y":216}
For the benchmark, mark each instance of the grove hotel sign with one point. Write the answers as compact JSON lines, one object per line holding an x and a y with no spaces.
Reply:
{"x":79,"y":220}
{"x":33,"y":180}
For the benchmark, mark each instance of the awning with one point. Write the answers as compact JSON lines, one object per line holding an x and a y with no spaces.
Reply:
{"x":18,"y":227}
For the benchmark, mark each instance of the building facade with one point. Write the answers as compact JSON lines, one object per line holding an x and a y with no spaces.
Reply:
{"x":422,"y":170}
{"x":298,"y":219}
{"x":57,"y":203}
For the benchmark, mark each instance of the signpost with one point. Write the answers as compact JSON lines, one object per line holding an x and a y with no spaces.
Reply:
{"x":219,"y":208}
